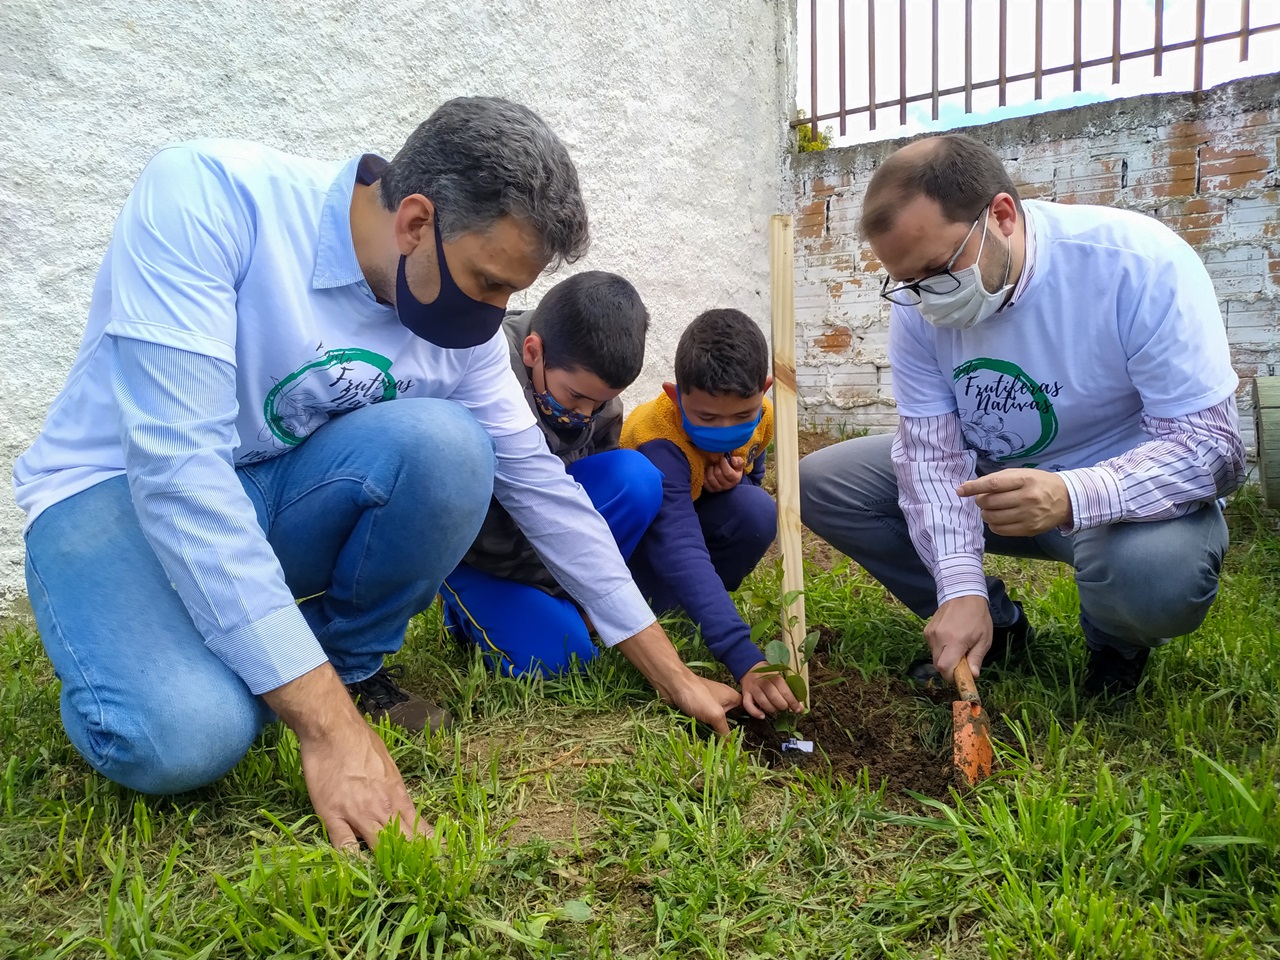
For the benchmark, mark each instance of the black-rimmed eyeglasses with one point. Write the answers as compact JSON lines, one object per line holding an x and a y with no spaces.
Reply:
{"x":939,"y":284}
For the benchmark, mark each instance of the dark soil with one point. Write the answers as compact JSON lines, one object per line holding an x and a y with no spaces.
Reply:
{"x":857,"y":724}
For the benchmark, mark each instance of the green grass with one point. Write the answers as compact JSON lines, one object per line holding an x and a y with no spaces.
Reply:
{"x":580,"y":818}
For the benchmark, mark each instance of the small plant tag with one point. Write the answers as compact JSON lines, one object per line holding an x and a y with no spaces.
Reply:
{"x":804,"y":746}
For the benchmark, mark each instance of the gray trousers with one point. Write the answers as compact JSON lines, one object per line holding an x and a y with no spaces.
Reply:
{"x":1139,"y":583}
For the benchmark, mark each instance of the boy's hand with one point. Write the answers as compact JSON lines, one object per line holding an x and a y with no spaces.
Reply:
{"x":767,"y":693}
{"x":724,"y":474}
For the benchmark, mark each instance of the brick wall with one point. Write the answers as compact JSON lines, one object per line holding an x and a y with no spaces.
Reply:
{"x":1205,"y":164}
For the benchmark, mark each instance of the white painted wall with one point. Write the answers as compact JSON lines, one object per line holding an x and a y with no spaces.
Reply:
{"x":674,"y":110}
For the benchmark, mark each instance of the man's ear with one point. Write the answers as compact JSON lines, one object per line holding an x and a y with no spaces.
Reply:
{"x":671,"y":390}
{"x":414,"y":223}
{"x":768,"y":382}
{"x":1006,"y":213}
{"x":531,"y":351}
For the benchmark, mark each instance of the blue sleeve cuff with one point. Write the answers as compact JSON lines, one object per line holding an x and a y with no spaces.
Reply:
{"x":741,"y":657}
{"x":270,"y":652}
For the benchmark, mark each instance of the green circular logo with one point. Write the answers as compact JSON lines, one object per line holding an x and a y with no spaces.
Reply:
{"x":1035,"y":394}
{"x":288,"y":425}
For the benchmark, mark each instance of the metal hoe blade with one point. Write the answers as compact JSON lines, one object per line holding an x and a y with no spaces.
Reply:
{"x":971,"y":731}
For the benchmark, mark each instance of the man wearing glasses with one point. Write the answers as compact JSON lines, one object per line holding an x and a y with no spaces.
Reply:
{"x":1065,"y":392}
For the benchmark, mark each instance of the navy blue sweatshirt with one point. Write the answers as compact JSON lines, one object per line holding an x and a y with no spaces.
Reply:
{"x":675,"y":541}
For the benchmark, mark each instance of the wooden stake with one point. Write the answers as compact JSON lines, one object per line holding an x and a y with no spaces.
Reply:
{"x":786,"y":439}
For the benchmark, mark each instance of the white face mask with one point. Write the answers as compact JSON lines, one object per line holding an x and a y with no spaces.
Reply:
{"x":969,"y":303}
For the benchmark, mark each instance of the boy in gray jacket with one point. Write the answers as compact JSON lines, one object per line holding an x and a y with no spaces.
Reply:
{"x":574,"y":354}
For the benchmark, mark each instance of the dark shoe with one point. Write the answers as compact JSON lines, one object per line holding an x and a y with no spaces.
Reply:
{"x":1011,"y":640}
{"x":1110,"y":673}
{"x":381,"y":696}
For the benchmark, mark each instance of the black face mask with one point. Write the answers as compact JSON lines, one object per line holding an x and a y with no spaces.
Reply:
{"x":452,"y":320}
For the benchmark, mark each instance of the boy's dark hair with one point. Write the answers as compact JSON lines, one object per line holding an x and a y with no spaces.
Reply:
{"x":593,"y":321}
{"x":722,"y":351}
{"x":955,"y":171}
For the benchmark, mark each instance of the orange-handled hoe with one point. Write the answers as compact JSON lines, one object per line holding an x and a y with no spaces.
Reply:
{"x":971,"y":730}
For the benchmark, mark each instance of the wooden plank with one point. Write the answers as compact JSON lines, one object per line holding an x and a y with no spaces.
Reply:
{"x":786,"y":417}
{"x":1266,"y":392}
{"x":1266,"y":429}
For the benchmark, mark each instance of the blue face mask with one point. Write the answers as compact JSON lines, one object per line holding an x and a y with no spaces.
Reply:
{"x":718,"y":439}
{"x":558,"y":415}
{"x":452,"y":320}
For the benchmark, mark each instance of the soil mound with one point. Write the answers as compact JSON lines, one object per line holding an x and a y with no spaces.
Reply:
{"x":857,"y":724}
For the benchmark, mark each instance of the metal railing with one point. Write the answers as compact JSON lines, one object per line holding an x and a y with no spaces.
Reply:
{"x":870,"y":104}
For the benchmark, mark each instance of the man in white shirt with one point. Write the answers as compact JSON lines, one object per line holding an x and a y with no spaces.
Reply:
{"x":1065,"y":392}
{"x":225,"y":444}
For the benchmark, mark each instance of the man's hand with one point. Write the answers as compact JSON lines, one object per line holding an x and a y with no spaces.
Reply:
{"x":355,"y":786}
{"x":655,"y":657}
{"x":767,"y":693}
{"x":724,"y":474}
{"x":1020,"y":503}
{"x":707,"y":701}
{"x":960,"y":628}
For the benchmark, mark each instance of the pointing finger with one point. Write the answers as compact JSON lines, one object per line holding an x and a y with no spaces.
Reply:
{"x":991,"y":483}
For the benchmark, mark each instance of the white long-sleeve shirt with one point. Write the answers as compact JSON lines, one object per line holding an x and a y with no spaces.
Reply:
{"x":229,"y":320}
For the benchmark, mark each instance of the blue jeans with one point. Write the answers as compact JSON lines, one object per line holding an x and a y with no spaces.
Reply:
{"x":372,"y":510}
{"x":1139,"y":583}
{"x":523,"y":629}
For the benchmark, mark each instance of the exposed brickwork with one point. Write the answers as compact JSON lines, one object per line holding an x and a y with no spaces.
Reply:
{"x":1206,"y":164}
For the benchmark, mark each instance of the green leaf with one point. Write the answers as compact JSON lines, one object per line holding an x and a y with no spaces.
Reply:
{"x":810,"y":645}
{"x":660,"y":844}
{"x":791,"y":596}
{"x":777,"y":653}
{"x":799,"y":688}
{"x":577,"y":911}
{"x":537,"y":923}
{"x":759,"y":630}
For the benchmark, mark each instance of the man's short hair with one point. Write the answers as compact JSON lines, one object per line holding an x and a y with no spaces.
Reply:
{"x":593,"y":321}
{"x":722,"y":351}
{"x":479,"y":159}
{"x":958,"y":173}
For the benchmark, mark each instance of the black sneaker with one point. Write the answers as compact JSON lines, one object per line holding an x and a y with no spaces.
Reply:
{"x":1011,"y":640}
{"x":1111,"y":673}
{"x":381,"y":696}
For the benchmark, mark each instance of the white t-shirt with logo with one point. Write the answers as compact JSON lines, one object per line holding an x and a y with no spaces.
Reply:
{"x":1119,"y":317}
{"x":294,"y":315}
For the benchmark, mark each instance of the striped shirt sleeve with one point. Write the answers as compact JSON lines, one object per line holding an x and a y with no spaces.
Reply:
{"x":178,"y":411}
{"x":931,"y":460}
{"x":1189,"y":461}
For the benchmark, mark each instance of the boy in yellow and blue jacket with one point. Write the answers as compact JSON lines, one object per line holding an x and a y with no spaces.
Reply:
{"x":707,"y":433}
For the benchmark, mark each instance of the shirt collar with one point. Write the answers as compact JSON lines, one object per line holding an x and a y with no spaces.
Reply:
{"x":1028,"y":259}
{"x":336,"y":262}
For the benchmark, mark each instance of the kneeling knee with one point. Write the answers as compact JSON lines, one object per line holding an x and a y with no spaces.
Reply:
{"x":643,"y":483}
{"x":436,"y":429}
{"x":173,"y":754}
{"x":758,"y":515}
{"x":1156,"y":607}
